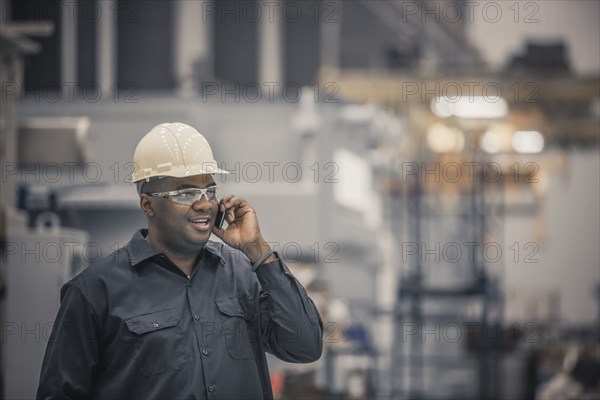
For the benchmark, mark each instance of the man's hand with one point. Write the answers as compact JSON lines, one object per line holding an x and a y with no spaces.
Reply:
{"x":242,"y":232}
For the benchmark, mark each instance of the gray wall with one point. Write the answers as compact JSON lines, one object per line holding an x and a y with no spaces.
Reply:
{"x":569,"y":254}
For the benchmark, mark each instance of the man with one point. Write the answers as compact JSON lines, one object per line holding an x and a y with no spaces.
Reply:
{"x":172,"y":314}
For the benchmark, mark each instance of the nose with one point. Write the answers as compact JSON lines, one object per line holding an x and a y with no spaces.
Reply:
{"x":202,"y":204}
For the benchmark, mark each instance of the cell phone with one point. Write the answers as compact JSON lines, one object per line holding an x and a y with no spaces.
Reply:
{"x":220,"y":218}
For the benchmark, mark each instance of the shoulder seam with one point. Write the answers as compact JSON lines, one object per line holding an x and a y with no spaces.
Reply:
{"x":74,"y":282}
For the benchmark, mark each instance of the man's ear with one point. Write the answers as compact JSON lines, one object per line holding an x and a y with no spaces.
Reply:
{"x":146,"y":205}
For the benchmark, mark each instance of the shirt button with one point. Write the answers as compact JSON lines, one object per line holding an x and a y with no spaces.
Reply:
{"x":205,"y":352}
{"x":196,"y":317}
{"x":211,"y":388}
{"x":189,"y":284}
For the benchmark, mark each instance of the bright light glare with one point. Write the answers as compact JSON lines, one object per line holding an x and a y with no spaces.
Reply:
{"x":443,"y":139}
{"x":490,"y":142}
{"x":358,"y":113}
{"x":528,"y":142}
{"x":353,"y":189}
{"x":474,"y":107}
{"x":441,"y":108}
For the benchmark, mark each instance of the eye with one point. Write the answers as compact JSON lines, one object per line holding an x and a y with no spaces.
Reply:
{"x":211,"y":190}
{"x":185,"y":195}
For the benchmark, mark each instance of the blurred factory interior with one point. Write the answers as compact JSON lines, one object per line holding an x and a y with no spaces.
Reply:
{"x":430,"y":170}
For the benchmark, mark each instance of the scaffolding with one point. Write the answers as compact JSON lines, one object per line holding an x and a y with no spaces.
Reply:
{"x":448,"y":313}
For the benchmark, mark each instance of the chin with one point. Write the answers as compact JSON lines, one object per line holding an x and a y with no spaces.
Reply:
{"x":198,"y":239}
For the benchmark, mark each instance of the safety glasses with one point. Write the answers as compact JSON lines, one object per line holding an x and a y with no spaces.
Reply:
{"x":188,"y":196}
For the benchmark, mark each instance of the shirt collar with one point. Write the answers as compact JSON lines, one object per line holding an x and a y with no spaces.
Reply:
{"x":214,"y":249}
{"x":139,"y":249}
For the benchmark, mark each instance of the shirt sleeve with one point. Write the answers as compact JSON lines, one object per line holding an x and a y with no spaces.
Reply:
{"x":72,"y":352}
{"x":292,"y":328}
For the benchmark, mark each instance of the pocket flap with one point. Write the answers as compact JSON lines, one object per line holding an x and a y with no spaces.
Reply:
{"x":233,"y":308}
{"x":145,"y":323}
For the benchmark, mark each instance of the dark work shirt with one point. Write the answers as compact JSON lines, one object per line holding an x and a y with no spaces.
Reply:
{"x":134,"y":326}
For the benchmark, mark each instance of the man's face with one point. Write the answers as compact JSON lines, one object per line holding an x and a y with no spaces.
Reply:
{"x":178,"y":227}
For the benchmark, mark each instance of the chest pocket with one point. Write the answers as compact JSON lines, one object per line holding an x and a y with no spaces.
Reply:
{"x":236,"y":329}
{"x":158,"y":340}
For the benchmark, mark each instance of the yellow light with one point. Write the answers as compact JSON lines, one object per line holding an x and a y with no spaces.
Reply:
{"x":490,"y":142}
{"x":443,"y":139}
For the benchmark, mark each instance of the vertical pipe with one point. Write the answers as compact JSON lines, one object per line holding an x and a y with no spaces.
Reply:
{"x":68,"y":45}
{"x":331,"y":37}
{"x":417,"y":295}
{"x":106,"y":45}
{"x":193,"y":49}
{"x":270,"y":38}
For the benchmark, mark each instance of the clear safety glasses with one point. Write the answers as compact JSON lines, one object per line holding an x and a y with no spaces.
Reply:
{"x":188,"y":196}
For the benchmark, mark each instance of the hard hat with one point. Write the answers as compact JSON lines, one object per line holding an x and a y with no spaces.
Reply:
{"x":173,"y":149}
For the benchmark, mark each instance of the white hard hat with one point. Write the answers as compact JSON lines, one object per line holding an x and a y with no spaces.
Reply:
{"x":173,"y":149}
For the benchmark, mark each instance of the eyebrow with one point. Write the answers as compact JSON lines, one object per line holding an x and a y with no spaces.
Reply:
{"x":189,"y":186}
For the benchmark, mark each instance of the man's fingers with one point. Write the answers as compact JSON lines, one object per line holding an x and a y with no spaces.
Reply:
{"x":218,"y":232}
{"x":232,"y":203}
{"x":223,"y":204}
{"x":230,"y":216}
